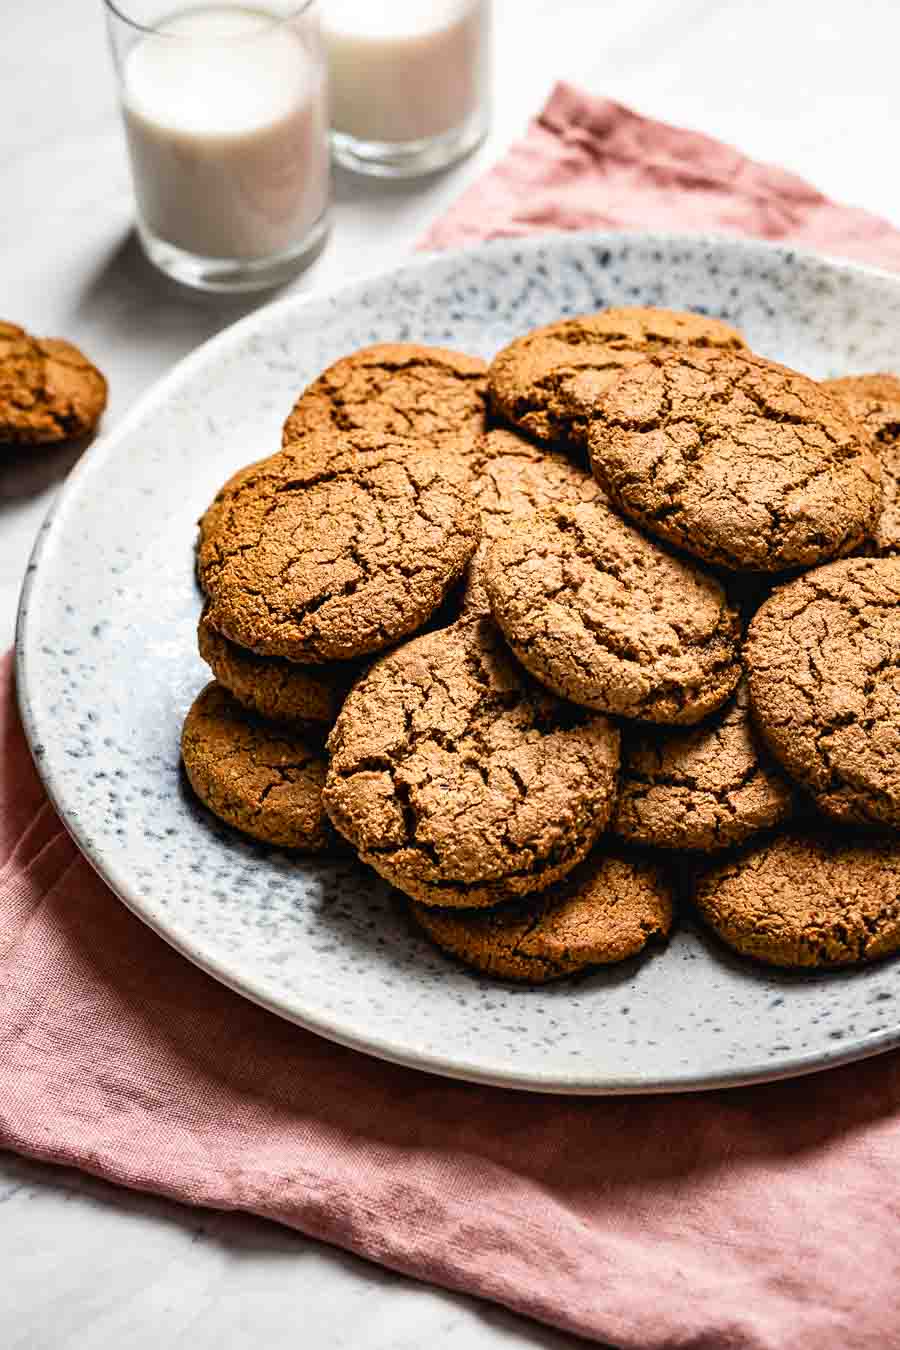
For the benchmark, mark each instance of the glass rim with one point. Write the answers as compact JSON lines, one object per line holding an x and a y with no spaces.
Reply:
{"x":115,"y":8}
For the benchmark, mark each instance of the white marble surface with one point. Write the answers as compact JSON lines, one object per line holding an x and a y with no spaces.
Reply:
{"x":809,"y":83}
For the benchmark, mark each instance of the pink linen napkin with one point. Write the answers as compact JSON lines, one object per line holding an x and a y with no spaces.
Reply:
{"x":751,"y":1219}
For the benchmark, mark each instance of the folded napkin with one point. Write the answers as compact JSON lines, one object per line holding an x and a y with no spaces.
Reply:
{"x":750,"y":1219}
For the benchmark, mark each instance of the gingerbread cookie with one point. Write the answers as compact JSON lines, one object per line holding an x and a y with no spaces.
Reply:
{"x":705,"y":788}
{"x":49,"y":390}
{"x":606,"y":617}
{"x":547,"y":381}
{"x":807,"y":899}
{"x":738,"y":460}
{"x":823,"y":657}
{"x":460,"y":780}
{"x":608,"y":909}
{"x":874,"y":400}
{"x":262,"y":779}
{"x":335,"y":549}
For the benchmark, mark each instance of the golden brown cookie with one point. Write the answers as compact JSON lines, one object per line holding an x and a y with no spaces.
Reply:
{"x":807,"y":899}
{"x":435,"y":396}
{"x":512,"y":477}
{"x":705,"y":788}
{"x":459,"y":779}
{"x":607,"y":909}
{"x":823,"y":659}
{"x":608,"y":618}
{"x":337,"y":548}
{"x":274,"y":688}
{"x":738,"y":460}
{"x":875,"y":401}
{"x":264,"y":780}
{"x":49,"y":390}
{"x":546,"y":382}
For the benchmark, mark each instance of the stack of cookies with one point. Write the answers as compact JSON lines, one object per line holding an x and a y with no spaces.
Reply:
{"x":529,"y":635}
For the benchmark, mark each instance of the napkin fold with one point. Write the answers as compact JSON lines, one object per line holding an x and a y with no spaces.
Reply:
{"x":752,"y":1219}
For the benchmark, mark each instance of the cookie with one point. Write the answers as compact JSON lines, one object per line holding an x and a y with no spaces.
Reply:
{"x":512,"y":477}
{"x":875,"y":401}
{"x":807,"y":899}
{"x":823,"y":659}
{"x":606,"y":617}
{"x":705,"y":788}
{"x":608,"y":909}
{"x":546,"y":382}
{"x":262,"y":779}
{"x":435,"y":396}
{"x":49,"y":390}
{"x":737,"y":460}
{"x":459,"y":779}
{"x":274,"y":688}
{"x":335,"y":549}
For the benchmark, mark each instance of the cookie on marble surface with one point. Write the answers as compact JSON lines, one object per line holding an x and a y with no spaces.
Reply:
{"x":435,"y":396}
{"x":875,"y":401}
{"x":742,"y":462}
{"x":609,"y":908}
{"x":461,"y":780}
{"x":546,"y":382}
{"x":806,"y":899}
{"x":608,"y":618}
{"x":49,"y":390}
{"x":279,"y":690}
{"x":333,"y":549}
{"x":702,"y":788}
{"x":262,"y":779}
{"x":823,"y":659}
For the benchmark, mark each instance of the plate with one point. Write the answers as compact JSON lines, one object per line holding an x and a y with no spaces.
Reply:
{"x":107,"y":668}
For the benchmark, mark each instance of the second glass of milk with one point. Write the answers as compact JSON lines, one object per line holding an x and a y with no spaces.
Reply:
{"x":226,"y":117}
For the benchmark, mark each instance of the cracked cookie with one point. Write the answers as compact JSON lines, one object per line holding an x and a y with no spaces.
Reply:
{"x":874,"y":400}
{"x":335,"y":549}
{"x":704,"y":788}
{"x":823,"y":658}
{"x":262,"y":779}
{"x":459,"y":779}
{"x":811,"y":900}
{"x":546,"y":382}
{"x":611,"y":620}
{"x":49,"y":390}
{"x":274,"y":688}
{"x":608,"y":909}
{"x":435,"y":396}
{"x":738,"y":460}
{"x":512,"y":477}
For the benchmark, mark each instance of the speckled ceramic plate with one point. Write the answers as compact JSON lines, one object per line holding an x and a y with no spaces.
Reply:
{"x":108,"y":666}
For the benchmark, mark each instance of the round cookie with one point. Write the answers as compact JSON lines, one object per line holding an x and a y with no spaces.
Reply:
{"x":608,"y":909}
{"x":546,"y":382}
{"x":705,"y":788}
{"x":459,"y":779}
{"x":874,"y":400}
{"x":738,"y":460}
{"x":512,"y":477}
{"x":262,"y":779}
{"x":435,"y":396}
{"x":606,"y":617}
{"x":335,"y":549}
{"x":823,"y":659}
{"x":807,"y":899}
{"x":49,"y":390}
{"x":274,"y":688}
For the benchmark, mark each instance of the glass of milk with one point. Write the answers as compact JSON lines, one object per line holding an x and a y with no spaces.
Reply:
{"x":226,"y":117}
{"x":410,"y":82}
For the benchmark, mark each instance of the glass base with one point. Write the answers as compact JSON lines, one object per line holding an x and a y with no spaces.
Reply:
{"x":409,"y":159}
{"x":232,"y":276}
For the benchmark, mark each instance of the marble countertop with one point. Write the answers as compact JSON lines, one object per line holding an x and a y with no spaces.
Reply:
{"x":807,"y":83}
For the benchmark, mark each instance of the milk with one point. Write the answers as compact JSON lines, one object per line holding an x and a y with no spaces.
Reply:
{"x":405,"y":70}
{"x":226,"y":117}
